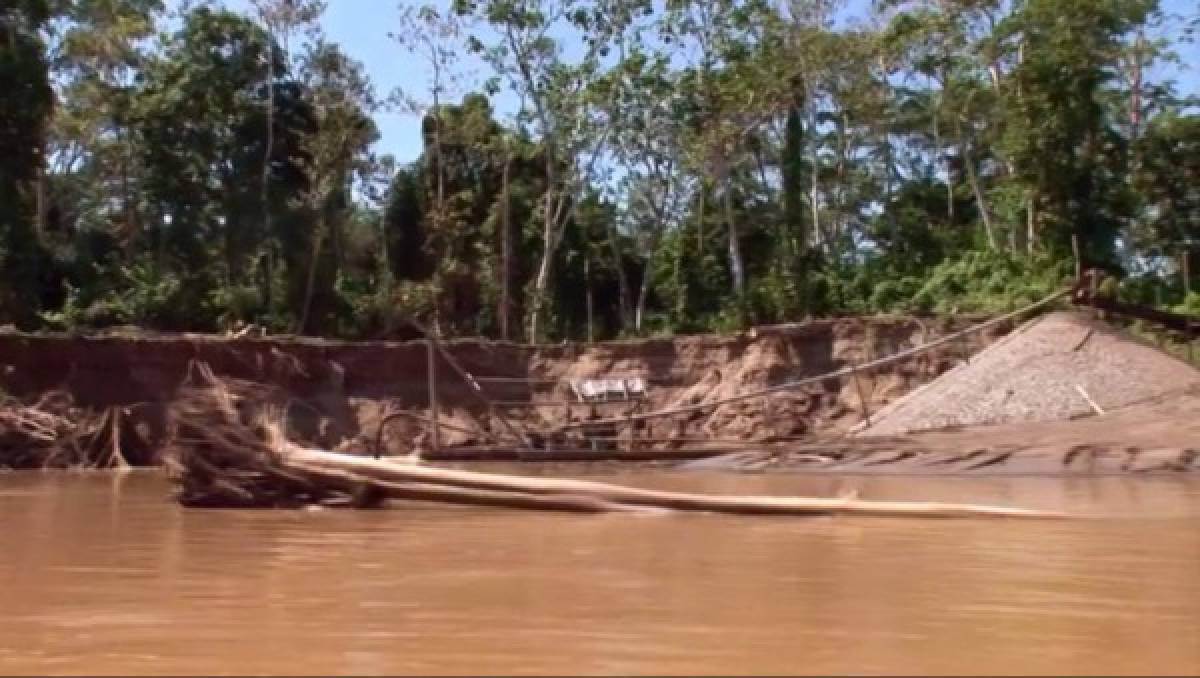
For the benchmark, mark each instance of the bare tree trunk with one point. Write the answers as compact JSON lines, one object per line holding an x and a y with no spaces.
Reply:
{"x":622,"y":278}
{"x":643,"y":292}
{"x":1185,"y":270}
{"x":839,"y":220}
{"x":949,"y":198}
{"x":268,"y":151}
{"x":542,"y":281}
{"x":310,"y":284}
{"x":736,"y":267}
{"x":1031,"y":224}
{"x":1135,"y":88}
{"x":888,"y":191}
{"x":884,"y":138}
{"x":385,"y":257}
{"x":1135,"y":119}
{"x":976,"y":189}
{"x":41,"y":206}
{"x":984,"y":212}
{"x":505,"y":245}
{"x":440,"y":178}
{"x":680,"y":283}
{"x":131,"y":213}
{"x":814,"y":198}
{"x":587,"y":283}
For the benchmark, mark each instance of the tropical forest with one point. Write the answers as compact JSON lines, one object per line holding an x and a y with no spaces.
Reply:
{"x":590,"y":170}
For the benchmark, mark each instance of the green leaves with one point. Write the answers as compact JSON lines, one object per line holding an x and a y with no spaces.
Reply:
{"x":656,"y":154}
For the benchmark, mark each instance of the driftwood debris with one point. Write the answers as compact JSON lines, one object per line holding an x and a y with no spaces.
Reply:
{"x":226,"y":451}
{"x":54,"y":432}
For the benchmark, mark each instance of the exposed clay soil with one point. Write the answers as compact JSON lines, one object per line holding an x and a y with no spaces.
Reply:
{"x":335,"y":393}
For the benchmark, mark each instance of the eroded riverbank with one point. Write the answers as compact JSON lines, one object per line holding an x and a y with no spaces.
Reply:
{"x":336,"y":393}
{"x":110,"y":395}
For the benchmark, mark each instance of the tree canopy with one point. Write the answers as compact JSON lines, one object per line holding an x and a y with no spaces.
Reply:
{"x":667,"y":167}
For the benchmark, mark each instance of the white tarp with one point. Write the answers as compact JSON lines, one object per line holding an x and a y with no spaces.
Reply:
{"x":609,"y":389}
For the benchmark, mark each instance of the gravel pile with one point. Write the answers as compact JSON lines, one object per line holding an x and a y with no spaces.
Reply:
{"x":1044,"y":371}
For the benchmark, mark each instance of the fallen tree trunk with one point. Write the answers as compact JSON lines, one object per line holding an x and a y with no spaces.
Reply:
{"x":416,"y":491}
{"x":382,"y":472}
{"x":226,"y":451}
{"x":491,"y":453}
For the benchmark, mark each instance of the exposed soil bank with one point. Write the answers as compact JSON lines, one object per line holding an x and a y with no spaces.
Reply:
{"x":335,"y":392}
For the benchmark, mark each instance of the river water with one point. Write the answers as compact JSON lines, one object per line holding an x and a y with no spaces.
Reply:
{"x":103,"y":574}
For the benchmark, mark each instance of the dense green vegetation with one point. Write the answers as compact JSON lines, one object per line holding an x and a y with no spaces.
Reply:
{"x":670,"y":166}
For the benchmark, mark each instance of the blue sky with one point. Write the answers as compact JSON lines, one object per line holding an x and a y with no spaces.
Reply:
{"x":361,"y":27}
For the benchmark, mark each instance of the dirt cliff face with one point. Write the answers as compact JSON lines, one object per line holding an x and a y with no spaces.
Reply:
{"x":705,"y":369}
{"x":335,"y":392}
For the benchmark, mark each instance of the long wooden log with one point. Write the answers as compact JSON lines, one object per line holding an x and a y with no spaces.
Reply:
{"x":579,"y":454}
{"x":470,"y":497}
{"x":403,"y":475}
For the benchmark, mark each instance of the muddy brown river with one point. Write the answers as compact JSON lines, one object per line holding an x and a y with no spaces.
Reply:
{"x":102,"y":574}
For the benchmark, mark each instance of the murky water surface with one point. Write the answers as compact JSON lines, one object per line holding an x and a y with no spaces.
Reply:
{"x":103,"y":574}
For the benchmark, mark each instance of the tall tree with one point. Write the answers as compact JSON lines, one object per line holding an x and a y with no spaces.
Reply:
{"x":653,"y":187}
{"x":280,"y":18}
{"x":1061,"y":140}
{"x":556,"y":99}
{"x":342,"y":100}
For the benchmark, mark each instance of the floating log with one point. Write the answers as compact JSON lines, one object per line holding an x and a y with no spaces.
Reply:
{"x":384,"y":473}
{"x":226,"y":452}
